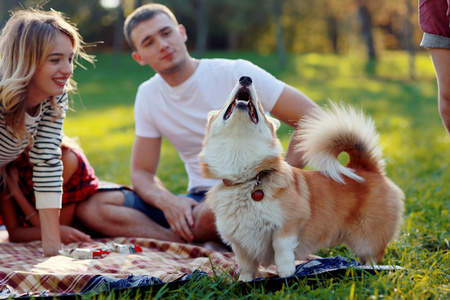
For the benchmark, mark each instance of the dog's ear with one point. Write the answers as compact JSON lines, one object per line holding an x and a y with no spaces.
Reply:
{"x":275,"y":122}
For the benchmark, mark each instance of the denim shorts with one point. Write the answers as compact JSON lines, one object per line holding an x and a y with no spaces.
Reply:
{"x":435,"y":41}
{"x":132,"y":200}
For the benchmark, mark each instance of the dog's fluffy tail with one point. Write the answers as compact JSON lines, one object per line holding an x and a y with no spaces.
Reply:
{"x":324,"y":134}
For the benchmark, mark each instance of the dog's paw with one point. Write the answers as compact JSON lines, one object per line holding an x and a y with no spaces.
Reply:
{"x":286,"y":270}
{"x":246,"y":276}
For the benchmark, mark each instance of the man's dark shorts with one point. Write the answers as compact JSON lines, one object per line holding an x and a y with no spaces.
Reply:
{"x":434,"y":20}
{"x":132,"y":200}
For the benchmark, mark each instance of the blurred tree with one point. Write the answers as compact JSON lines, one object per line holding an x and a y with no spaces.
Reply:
{"x":281,"y":26}
{"x":5,"y":7}
{"x":95,"y":23}
{"x":239,"y":24}
{"x":277,"y":6}
{"x":118,"y":34}
{"x":200,"y":8}
{"x":409,"y":34}
{"x":336,"y":15}
{"x":365,"y":14}
{"x":139,"y":3}
{"x":333,"y":30}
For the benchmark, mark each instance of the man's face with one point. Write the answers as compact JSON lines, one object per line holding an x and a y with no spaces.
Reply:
{"x":160,"y":43}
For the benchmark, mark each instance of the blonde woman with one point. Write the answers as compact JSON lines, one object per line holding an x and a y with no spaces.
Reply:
{"x":37,"y":52}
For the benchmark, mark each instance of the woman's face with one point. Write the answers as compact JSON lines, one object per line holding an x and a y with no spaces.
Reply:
{"x":51,"y":77}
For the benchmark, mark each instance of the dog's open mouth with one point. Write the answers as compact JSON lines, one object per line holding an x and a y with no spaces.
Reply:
{"x":242,"y":100}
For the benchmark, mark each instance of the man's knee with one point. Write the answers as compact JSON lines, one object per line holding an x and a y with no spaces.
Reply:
{"x":107,"y":197}
{"x":205,"y":224}
{"x":95,"y":205}
{"x":204,"y":213}
{"x":84,"y":210}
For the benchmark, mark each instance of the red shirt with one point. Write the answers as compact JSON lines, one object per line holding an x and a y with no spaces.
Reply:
{"x":434,"y":17}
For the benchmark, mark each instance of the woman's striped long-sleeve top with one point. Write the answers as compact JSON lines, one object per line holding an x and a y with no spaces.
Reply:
{"x":45,"y":154}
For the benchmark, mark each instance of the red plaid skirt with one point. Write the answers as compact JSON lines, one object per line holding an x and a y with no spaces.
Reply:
{"x":79,"y":187}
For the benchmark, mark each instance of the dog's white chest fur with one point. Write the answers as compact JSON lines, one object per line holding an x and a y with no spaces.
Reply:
{"x":246,"y":223}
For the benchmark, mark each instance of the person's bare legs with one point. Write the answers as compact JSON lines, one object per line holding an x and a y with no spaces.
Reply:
{"x":205,"y":224}
{"x":104,"y":213}
{"x":441,"y":61}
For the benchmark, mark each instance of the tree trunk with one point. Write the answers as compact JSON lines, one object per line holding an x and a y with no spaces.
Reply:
{"x":202,"y":27}
{"x":333,"y":33}
{"x":279,"y":33}
{"x":409,"y":33}
{"x":233,"y":40}
{"x":366,"y":29}
{"x":118,"y":35}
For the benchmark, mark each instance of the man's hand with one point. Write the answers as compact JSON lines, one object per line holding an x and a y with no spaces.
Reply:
{"x":178,"y":213}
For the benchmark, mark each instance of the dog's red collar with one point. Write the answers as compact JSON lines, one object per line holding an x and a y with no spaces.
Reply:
{"x":227,"y":182}
{"x":257,"y":193}
{"x":257,"y":178}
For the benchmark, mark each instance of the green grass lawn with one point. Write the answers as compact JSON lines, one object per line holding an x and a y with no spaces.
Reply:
{"x":415,"y":144}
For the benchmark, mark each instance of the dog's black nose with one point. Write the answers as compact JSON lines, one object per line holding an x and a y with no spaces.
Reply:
{"x":245,"y":81}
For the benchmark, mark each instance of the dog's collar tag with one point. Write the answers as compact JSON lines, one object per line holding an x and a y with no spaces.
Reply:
{"x":257,"y":193}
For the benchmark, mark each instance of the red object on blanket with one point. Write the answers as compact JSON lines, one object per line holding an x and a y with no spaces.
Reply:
{"x":99,"y":254}
{"x":85,"y":253}
{"x":136,"y":248}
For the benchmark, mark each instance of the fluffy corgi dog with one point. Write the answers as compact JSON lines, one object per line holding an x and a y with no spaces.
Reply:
{"x":272,"y":213}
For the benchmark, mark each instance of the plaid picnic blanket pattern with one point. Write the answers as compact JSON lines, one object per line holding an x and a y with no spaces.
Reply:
{"x":24,"y":271}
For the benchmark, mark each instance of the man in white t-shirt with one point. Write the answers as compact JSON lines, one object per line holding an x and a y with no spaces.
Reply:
{"x":174,"y":103}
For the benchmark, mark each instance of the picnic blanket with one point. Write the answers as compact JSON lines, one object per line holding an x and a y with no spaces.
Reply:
{"x":23,"y":269}
{"x":25,"y":272}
